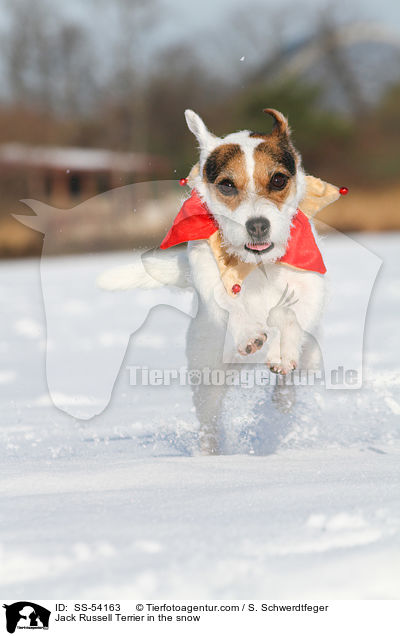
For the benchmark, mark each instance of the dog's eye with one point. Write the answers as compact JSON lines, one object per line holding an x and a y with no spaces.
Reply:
{"x":227,"y":187}
{"x":278,"y":181}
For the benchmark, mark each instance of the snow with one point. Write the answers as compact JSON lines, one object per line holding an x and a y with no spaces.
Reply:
{"x":299,"y":505}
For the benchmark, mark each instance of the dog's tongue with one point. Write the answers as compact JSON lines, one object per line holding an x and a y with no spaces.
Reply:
{"x":257,"y":247}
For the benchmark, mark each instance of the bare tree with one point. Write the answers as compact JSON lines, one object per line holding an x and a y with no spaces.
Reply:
{"x":47,"y":59}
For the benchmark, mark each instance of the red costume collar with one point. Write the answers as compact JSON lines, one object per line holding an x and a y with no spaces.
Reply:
{"x":194,"y":221}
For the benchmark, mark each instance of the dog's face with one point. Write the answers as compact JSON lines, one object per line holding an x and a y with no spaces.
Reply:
{"x":252,"y":184}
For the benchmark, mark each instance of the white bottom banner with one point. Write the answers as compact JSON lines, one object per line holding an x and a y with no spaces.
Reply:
{"x":202,"y":617}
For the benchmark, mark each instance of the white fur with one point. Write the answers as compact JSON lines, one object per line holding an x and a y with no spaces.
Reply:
{"x":147,"y":271}
{"x":207,"y":141}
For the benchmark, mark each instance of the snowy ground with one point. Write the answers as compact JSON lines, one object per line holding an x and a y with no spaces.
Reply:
{"x":300,"y":505}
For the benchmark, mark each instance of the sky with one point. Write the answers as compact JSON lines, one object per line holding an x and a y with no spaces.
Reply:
{"x":209,"y":12}
{"x":181,"y":19}
{"x":225,"y":35}
{"x":235,"y":41}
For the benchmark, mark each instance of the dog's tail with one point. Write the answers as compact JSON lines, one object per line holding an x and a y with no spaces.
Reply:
{"x":148,"y":270}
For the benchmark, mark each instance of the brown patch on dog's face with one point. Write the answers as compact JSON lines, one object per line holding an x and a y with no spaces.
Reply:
{"x":275,"y":160}
{"x":225,"y":168}
{"x":275,"y":167}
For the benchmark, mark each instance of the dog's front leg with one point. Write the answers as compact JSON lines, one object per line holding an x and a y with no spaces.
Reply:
{"x":251,"y":345}
{"x":290,"y":340}
{"x":248,"y":335}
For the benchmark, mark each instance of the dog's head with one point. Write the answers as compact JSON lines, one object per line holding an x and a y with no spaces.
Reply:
{"x":252,"y":183}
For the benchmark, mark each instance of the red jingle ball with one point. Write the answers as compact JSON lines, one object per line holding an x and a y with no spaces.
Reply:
{"x":343,"y":190}
{"x":182,"y":182}
{"x":236,"y":288}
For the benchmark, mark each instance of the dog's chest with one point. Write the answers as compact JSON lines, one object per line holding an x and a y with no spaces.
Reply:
{"x":260,"y":292}
{"x":263,"y":289}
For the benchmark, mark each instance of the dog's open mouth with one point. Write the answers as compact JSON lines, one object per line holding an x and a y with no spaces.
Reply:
{"x":259,"y":248}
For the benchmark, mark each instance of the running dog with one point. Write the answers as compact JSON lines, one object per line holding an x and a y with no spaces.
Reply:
{"x":252,"y":184}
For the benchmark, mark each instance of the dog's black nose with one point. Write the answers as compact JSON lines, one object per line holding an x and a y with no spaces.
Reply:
{"x":258,"y":228}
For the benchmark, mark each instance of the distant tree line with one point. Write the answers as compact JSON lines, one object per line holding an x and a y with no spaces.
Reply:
{"x":93,"y":82}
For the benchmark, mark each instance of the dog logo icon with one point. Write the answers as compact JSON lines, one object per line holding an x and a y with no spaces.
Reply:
{"x":78,"y":337}
{"x":26,"y":615}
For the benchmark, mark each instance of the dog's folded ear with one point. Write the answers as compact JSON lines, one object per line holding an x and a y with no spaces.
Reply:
{"x":281,"y":125}
{"x":319,"y":194}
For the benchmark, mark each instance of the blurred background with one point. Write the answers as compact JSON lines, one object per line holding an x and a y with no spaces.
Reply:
{"x":92,"y":96}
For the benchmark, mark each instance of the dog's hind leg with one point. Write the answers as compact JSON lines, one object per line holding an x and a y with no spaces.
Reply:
{"x":208,"y":402}
{"x":284,"y":395}
{"x":204,"y":348}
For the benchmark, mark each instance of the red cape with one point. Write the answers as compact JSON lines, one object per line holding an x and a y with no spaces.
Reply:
{"x":194,"y":221}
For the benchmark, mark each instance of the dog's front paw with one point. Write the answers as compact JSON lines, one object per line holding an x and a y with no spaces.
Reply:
{"x":252,"y":345}
{"x":283,"y":367}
